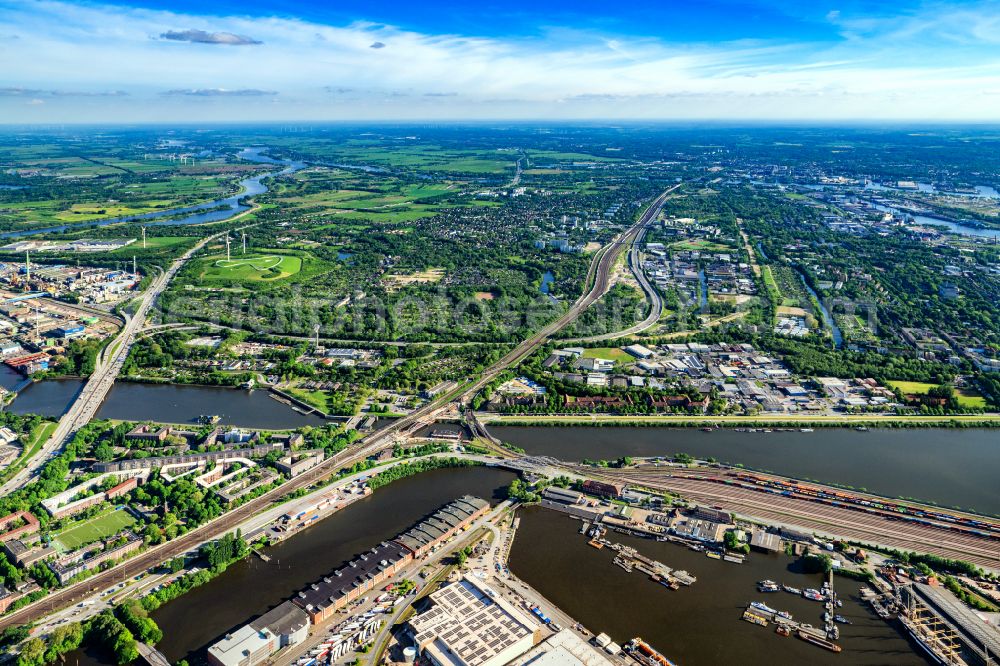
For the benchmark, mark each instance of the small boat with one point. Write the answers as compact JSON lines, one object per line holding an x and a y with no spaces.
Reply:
{"x":761,"y":606}
{"x":754,"y":618}
{"x":805,"y":429}
{"x":209,"y":419}
{"x":706,"y":429}
{"x":827,"y":617}
{"x":783,"y":630}
{"x":697,"y":547}
{"x":790,"y":589}
{"x":821,"y":642}
{"x":862,"y":428}
{"x":767,"y":586}
{"x":841,"y":619}
{"x":784,"y":614}
{"x":714,"y":555}
{"x":812,"y":594}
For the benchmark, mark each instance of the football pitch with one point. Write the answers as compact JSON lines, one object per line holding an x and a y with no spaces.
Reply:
{"x":94,"y":529}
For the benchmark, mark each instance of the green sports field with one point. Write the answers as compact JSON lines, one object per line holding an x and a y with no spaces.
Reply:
{"x":94,"y":529}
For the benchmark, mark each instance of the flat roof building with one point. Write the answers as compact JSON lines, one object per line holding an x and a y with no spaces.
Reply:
{"x":564,"y":648}
{"x":467,"y":626}
{"x":244,"y":647}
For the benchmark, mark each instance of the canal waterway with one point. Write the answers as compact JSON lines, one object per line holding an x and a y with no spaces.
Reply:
{"x":167,"y":403}
{"x":951,"y":467}
{"x":828,"y":322}
{"x":250,"y":588}
{"x":698,"y":625}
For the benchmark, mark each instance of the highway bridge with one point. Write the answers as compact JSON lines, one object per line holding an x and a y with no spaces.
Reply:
{"x":86,"y":405}
{"x":112,"y":359}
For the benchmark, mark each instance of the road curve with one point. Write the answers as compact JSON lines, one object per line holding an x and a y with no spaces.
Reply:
{"x":599,"y":273}
{"x":109,"y":364}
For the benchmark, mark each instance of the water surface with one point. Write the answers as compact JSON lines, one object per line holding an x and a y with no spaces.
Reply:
{"x":698,"y":625}
{"x":952,"y":467}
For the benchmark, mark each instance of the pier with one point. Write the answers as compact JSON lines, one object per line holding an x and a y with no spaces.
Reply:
{"x":629,"y":559}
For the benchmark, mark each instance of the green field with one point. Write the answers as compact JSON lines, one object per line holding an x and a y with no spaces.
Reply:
{"x":609,"y":353}
{"x":966,"y":397}
{"x":95,"y":529}
{"x":250,"y":267}
{"x":701,"y":245}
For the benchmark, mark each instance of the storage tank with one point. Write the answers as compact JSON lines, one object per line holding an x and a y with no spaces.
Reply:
{"x":409,"y":654}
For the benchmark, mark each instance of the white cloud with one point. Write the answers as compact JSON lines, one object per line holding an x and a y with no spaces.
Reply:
{"x":885,"y":67}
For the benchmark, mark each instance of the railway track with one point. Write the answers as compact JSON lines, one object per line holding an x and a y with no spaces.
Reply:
{"x":835,"y":521}
{"x":598,"y":273}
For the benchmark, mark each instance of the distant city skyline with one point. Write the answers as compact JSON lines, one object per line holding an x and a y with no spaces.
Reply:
{"x":264,"y":60}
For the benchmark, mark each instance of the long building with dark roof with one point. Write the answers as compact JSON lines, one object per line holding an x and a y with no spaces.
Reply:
{"x":365,"y":572}
{"x":442,"y":524}
{"x":333,"y":592}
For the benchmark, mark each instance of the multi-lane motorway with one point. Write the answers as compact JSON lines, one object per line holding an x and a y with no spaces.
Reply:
{"x":83,"y":409}
{"x":108,"y":366}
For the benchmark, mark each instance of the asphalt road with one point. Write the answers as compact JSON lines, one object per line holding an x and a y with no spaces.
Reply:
{"x":102,"y":379}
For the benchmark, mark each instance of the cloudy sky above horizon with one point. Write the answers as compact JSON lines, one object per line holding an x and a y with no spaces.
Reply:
{"x":271,"y":60}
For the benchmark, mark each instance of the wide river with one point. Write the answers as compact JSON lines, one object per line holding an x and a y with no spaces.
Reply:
{"x":203,"y":213}
{"x":167,"y":403}
{"x":698,"y":625}
{"x":251,"y":587}
{"x":954,"y":468}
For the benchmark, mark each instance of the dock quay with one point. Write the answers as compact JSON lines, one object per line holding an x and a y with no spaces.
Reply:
{"x":630,"y":559}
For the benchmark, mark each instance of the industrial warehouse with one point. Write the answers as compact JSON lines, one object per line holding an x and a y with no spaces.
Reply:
{"x":258,"y":640}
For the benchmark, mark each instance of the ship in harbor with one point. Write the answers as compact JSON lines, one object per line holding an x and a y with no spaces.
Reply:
{"x":645,"y":654}
{"x":767,"y":586}
{"x":816,"y":640}
{"x":939,"y":641}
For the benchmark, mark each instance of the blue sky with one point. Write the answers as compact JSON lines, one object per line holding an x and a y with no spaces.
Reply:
{"x":257,"y":60}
